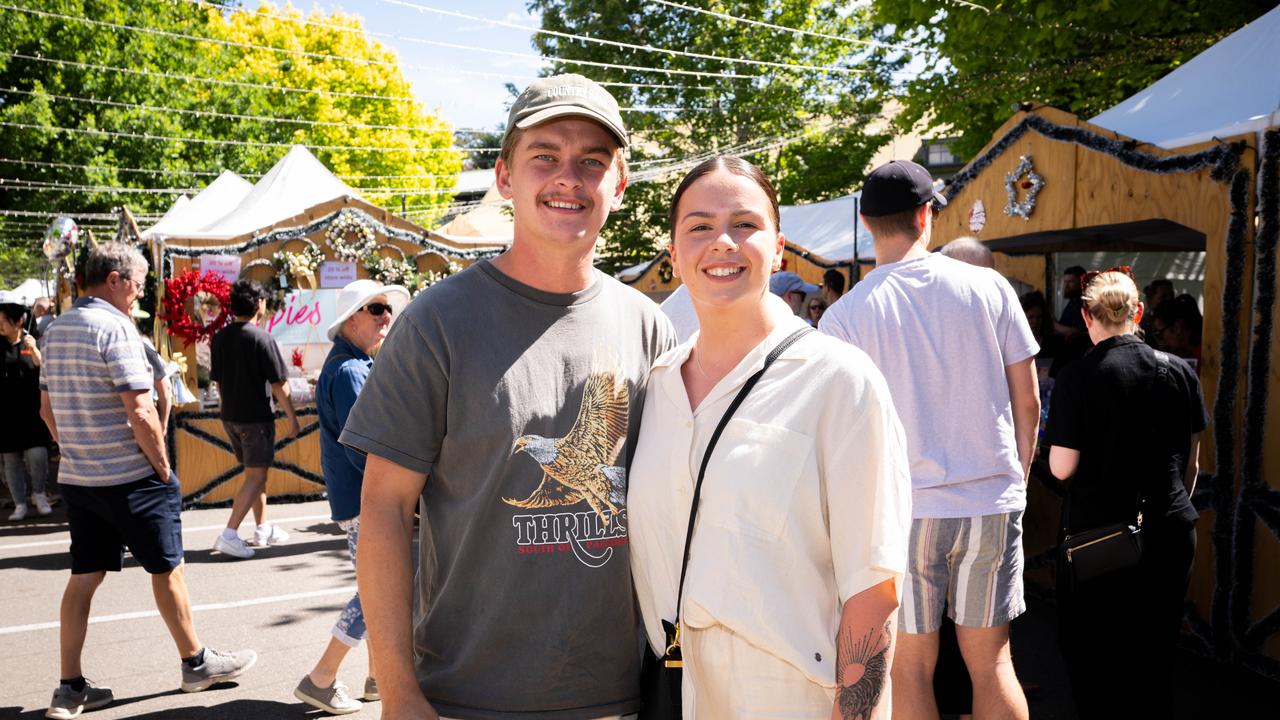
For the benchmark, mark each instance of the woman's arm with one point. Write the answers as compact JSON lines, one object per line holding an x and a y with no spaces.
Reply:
{"x":864,"y":653}
{"x":1193,"y":465}
{"x":1063,"y":461}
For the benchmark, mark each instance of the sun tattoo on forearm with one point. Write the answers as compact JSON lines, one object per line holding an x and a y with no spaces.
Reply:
{"x":856,"y":699}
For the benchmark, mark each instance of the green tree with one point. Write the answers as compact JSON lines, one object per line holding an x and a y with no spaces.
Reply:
{"x":208,"y":88}
{"x":805,"y":128}
{"x":979,"y":60}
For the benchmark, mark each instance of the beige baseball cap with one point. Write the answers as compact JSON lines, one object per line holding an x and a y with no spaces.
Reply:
{"x":564,"y":96}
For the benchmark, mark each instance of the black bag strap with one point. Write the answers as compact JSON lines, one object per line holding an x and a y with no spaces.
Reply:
{"x":711,"y":445}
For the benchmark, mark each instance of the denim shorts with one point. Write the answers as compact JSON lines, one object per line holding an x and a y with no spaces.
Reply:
{"x":253,"y":442}
{"x":144,"y":515}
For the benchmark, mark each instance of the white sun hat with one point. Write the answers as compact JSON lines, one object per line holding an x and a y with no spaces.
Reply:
{"x":358,"y":294}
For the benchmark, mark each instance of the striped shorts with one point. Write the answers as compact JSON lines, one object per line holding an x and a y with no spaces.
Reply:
{"x":972,"y":566}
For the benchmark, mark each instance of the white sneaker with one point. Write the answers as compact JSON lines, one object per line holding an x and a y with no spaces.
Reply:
{"x":234,"y":547}
{"x":19,"y":513}
{"x":268,"y":535}
{"x":42,"y":503}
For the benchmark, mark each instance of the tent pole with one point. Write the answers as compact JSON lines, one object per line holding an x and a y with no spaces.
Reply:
{"x":856,"y":274}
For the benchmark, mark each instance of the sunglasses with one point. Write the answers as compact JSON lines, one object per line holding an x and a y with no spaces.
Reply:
{"x":378,"y":309}
{"x":1088,"y":277}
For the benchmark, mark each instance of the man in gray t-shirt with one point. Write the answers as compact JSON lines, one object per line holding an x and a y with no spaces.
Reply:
{"x":505,"y":404}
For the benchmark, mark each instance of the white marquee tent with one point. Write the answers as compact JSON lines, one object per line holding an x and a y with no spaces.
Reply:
{"x":829,"y":228}
{"x":189,"y":215}
{"x":1229,"y":89}
{"x":296,"y":183}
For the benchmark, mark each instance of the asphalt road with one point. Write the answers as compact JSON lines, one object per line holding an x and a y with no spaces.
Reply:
{"x":281,"y":603}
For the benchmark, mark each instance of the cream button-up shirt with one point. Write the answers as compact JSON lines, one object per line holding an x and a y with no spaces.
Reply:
{"x":806,"y":501}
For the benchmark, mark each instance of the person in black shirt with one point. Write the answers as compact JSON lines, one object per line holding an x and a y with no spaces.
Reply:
{"x":1069,"y":322}
{"x":24,"y":438}
{"x":1124,"y":431}
{"x":246,"y":364}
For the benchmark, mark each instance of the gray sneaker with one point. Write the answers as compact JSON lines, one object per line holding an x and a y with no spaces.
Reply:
{"x":68,"y":703}
{"x":217,"y":667}
{"x":335,"y":699}
{"x":370,"y":690}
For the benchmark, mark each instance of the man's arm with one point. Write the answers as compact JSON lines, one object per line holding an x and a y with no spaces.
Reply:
{"x":46,"y":413}
{"x":284,"y":398}
{"x":164,"y":404}
{"x":1024,"y":395}
{"x":384,"y":572}
{"x":864,"y":653}
{"x":145,"y":423}
{"x":1193,"y":465}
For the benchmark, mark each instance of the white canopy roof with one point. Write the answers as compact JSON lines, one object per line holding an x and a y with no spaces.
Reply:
{"x":1229,"y":89}
{"x":31,"y":289}
{"x":187,"y":215}
{"x":828,"y":228}
{"x":298,"y":182}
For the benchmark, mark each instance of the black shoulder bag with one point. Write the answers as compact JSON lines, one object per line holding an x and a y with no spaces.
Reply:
{"x":1111,"y":548}
{"x":660,"y":677}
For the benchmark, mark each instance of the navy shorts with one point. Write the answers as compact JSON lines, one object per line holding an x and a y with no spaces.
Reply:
{"x":144,"y":516}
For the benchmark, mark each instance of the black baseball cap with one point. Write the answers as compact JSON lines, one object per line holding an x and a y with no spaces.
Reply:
{"x":897,"y":186}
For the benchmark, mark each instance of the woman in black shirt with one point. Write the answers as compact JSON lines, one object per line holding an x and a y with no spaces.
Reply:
{"x":24,"y":439}
{"x":1123,"y":429}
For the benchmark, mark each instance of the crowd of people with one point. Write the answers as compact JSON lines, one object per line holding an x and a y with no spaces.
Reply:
{"x":784,"y":490}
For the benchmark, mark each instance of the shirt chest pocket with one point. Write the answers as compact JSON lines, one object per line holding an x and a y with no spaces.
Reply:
{"x":751,"y":480}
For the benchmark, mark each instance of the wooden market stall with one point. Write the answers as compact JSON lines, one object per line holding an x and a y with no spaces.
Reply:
{"x":303,"y":233}
{"x":1049,"y":182}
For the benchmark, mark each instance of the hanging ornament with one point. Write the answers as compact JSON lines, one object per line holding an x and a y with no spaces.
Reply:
{"x":1032,"y":183}
{"x":60,"y":238}
{"x":977,"y":217}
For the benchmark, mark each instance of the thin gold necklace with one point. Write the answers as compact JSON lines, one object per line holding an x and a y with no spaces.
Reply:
{"x":698,"y":364}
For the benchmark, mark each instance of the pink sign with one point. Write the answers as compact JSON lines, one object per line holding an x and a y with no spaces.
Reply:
{"x":304,"y":317}
{"x":228,"y":266}
{"x":337,"y":274}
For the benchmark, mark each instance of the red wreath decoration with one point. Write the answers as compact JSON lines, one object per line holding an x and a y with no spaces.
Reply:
{"x":177,"y":290}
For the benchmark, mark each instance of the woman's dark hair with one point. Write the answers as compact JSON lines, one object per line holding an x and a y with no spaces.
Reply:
{"x":1035,"y":298}
{"x":735,"y":166}
{"x":14,"y":313}
{"x":245,"y":294}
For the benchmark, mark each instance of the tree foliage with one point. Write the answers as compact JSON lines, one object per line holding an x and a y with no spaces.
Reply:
{"x":211,"y":89}
{"x":805,"y":128}
{"x":1083,"y":56}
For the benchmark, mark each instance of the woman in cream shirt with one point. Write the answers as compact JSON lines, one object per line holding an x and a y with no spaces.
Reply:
{"x":801,"y":536}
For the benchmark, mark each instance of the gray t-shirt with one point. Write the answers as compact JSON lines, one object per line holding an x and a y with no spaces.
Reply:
{"x":523,"y":408}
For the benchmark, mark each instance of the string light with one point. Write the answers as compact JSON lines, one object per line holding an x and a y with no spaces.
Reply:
{"x":205,"y":173}
{"x":369,"y":61}
{"x":231,"y":116}
{"x":771,"y":26}
{"x":248,"y":143}
{"x":623,"y":45}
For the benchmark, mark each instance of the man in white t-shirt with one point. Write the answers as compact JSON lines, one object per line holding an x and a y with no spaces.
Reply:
{"x":956,"y":350}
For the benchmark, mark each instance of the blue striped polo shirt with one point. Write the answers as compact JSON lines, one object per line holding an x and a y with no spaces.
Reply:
{"x":92,"y":353}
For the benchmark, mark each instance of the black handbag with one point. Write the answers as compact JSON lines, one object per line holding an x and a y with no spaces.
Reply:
{"x":1103,"y":550}
{"x":1093,"y":553}
{"x":660,"y":677}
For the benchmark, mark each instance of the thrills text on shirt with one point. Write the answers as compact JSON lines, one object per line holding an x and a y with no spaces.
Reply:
{"x":579,"y":533}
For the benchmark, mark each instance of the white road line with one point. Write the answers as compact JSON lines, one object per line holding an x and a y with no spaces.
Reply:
{"x":185,"y":530}
{"x":348,"y":590}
